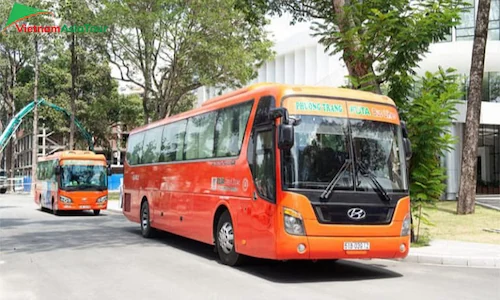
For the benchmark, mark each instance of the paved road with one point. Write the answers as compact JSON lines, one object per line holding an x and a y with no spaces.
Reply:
{"x":80,"y":256}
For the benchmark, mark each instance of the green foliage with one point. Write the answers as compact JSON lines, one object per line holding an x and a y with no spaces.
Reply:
{"x":172,"y":47}
{"x":429,"y":115}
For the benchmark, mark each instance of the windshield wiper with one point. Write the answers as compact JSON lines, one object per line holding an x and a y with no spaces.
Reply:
{"x":378,"y":187}
{"x":330,"y":187}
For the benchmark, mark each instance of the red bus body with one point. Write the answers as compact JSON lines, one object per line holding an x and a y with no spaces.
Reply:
{"x":187,"y":197}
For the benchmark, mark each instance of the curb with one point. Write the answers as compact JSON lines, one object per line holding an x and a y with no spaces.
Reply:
{"x":458,"y":261}
{"x":487,"y":206}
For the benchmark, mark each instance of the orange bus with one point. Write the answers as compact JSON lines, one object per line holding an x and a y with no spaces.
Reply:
{"x":276,"y":171}
{"x":72,"y":180}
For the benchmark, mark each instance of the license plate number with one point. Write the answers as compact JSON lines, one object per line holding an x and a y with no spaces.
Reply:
{"x":356,"y":246}
{"x":84,"y":206}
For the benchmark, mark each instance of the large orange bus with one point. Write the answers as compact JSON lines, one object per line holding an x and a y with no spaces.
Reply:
{"x":276,"y":171}
{"x":72,"y":180}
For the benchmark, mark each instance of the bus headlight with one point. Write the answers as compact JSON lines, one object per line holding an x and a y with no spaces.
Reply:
{"x":102,"y":199}
{"x":65,"y":199}
{"x":406,"y":227}
{"x":293,"y":222}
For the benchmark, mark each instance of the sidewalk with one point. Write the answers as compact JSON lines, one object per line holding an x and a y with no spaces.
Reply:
{"x":455,"y":253}
{"x":114,"y":206}
{"x":489,"y":201}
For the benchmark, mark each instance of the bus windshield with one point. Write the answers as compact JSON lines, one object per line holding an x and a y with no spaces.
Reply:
{"x":84,"y":177}
{"x":322,"y":146}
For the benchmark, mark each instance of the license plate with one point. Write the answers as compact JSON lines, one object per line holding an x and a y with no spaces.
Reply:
{"x":356,"y":246}
{"x":84,"y":206}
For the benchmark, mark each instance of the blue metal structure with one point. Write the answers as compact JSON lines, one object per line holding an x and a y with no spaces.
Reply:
{"x":18,"y":118}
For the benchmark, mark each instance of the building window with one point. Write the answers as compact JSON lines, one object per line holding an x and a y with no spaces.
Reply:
{"x":494,"y":26}
{"x":490,"y":90}
{"x":465,"y":31}
{"x":488,"y":169}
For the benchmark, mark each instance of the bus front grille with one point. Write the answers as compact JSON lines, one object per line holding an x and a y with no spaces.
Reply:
{"x":353,"y":214}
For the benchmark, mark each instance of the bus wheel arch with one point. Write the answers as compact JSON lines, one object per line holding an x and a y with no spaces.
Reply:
{"x":225,"y":240}
{"x":218,"y":213}
{"x":54,"y":210}
{"x":145,"y":219}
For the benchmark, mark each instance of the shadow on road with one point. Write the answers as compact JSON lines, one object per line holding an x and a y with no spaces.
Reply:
{"x":284,"y":272}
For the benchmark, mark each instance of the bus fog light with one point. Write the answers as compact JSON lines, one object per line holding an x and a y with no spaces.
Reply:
{"x":301,"y":248}
{"x":406,"y":226}
{"x":293,"y":222}
{"x":402,"y":248}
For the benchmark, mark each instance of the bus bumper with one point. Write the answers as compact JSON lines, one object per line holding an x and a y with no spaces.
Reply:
{"x":315,"y":247}
{"x":77,"y":206}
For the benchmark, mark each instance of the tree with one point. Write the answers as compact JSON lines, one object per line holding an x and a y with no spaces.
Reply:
{"x":171,"y":47}
{"x":467,"y":190}
{"x":381,"y":41}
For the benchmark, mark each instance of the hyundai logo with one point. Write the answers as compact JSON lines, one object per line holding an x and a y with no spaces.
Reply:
{"x":356,"y":213}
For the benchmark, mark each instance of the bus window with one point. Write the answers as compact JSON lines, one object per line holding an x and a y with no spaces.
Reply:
{"x":200,"y":136}
{"x":172,"y":145}
{"x":151,"y":148}
{"x":134,"y":148}
{"x":230,"y":128}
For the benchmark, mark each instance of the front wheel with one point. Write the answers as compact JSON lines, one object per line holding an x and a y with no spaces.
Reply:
{"x":225,"y":241}
{"x":3,"y":191}
{"x":97,"y":212}
{"x":146,"y":229}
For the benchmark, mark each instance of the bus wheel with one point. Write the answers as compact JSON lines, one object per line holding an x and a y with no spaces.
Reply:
{"x":40,"y":205}
{"x":146,"y":229}
{"x":97,"y":212}
{"x":225,"y":241}
{"x":3,"y":191}
{"x":54,"y":210}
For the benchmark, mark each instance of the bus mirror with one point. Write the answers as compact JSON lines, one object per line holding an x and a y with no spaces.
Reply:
{"x":404,"y":129}
{"x":407,"y":146}
{"x":108,"y":169}
{"x":285,"y":136}
{"x":279,"y":112}
{"x":57,"y":170}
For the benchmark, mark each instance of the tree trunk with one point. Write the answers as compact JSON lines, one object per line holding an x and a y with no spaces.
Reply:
{"x":467,"y":191}
{"x":73,"y":91}
{"x":34,"y":156}
{"x":357,"y":68}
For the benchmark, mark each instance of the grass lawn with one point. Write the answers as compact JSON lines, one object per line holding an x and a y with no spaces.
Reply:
{"x":469,"y":228}
{"x":113,"y":196}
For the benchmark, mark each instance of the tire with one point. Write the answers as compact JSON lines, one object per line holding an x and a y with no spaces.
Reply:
{"x":225,"y":241}
{"x":145,"y":221}
{"x":3,"y":191}
{"x":40,"y":203}
{"x":97,"y":212}
{"x":54,"y":211}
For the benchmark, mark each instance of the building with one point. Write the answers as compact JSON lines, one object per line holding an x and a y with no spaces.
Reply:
{"x":301,"y":59}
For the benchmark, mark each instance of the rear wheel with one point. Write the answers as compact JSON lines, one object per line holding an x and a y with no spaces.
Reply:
{"x":40,"y":205}
{"x":146,"y":229}
{"x":225,"y":241}
{"x":3,"y":191}
{"x":97,"y":212}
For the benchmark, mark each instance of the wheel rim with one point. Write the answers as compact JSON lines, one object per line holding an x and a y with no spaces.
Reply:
{"x":145,"y":218}
{"x":226,"y":238}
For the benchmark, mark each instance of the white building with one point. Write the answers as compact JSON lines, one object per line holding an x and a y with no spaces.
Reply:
{"x":301,"y":60}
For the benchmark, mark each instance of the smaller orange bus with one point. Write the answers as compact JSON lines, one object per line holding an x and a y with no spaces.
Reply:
{"x":72,"y":180}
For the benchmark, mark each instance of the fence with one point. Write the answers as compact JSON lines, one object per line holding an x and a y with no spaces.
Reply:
{"x":23,"y":184}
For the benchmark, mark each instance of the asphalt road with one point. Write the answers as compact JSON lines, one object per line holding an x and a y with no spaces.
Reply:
{"x":80,"y":256}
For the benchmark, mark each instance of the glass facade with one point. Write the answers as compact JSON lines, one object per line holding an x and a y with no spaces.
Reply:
{"x":491,"y":87}
{"x":465,"y":31}
{"x":488,"y":160}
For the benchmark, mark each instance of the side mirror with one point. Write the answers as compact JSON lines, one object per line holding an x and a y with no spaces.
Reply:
{"x":404,"y":129}
{"x":57,"y":170}
{"x":407,"y":146}
{"x":285,"y":136}
{"x":108,"y":169}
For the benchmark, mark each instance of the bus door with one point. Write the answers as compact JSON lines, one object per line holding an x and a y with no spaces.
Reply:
{"x":257,"y":221}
